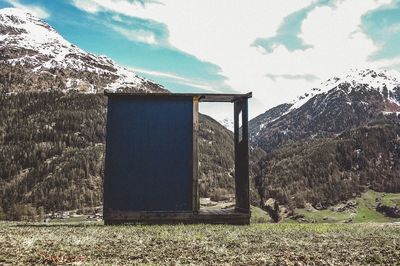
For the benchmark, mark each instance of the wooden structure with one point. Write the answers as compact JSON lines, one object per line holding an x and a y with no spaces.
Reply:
{"x":151,"y":170}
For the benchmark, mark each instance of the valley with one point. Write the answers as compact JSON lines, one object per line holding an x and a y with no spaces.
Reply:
{"x":336,"y":143}
{"x":323,"y":115}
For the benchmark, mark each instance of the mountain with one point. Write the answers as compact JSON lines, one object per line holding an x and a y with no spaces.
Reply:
{"x":340,"y":103}
{"x":216,"y":161}
{"x":52,"y":122}
{"x":329,"y":170}
{"x":227,"y":123}
{"x":33,"y":56}
{"x":257,"y":124}
{"x":333,"y":143}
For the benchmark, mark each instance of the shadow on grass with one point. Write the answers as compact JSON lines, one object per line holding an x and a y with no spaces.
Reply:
{"x":84,"y":224}
{"x":88,"y":224}
{"x":61,"y":224}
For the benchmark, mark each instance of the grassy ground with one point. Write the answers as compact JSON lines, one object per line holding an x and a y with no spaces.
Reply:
{"x":388,"y":199}
{"x":259,"y":216}
{"x":92,"y":243}
{"x":365,"y":210}
{"x":324,"y":216}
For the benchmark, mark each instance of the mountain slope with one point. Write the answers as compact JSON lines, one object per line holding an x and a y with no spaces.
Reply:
{"x":257,"y":124}
{"x":33,"y":56}
{"x":333,"y":143}
{"x":326,"y":171}
{"x":341,"y":103}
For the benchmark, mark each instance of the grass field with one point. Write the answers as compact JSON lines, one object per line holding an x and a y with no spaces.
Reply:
{"x":364,"y":212}
{"x":91,"y":243}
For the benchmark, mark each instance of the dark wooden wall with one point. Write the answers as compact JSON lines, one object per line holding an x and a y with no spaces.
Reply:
{"x":241,"y":140}
{"x":149,"y":154}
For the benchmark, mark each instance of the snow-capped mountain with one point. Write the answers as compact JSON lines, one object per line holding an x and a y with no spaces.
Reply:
{"x":227,"y":123}
{"x":368,"y":78}
{"x":35,"y":57}
{"x":340,"y":103}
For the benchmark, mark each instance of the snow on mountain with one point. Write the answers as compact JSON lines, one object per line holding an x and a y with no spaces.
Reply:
{"x":258,"y":123}
{"x":371,"y":79}
{"x":227,"y":123}
{"x":28,"y":41}
{"x":352,"y":99}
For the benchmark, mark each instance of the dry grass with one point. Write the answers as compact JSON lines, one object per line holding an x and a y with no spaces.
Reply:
{"x":261,"y":244}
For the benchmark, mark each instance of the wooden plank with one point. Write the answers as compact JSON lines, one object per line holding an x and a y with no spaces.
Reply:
{"x":212,"y":217}
{"x":196,"y":199}
{"x":145,"y":168}
{"x":202,"y":97}
{"x":241,"y":141}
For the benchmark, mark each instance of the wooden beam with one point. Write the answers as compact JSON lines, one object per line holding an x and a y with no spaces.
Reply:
{"x":210,"y":217}
{"x":241,"y":141}
{"x":195,"y":178}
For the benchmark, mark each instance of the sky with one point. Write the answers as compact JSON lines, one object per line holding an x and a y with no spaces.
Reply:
{"x":276,"y":49}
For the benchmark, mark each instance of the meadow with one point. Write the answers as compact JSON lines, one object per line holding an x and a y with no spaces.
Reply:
{"x":92,"y":243}
{"x":363,"y":211}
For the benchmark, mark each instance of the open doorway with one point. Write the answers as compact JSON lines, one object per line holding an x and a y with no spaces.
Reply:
{"x":216,"y":180}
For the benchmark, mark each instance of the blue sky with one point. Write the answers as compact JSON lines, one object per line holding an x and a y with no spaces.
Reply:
{"x":277,"y":49}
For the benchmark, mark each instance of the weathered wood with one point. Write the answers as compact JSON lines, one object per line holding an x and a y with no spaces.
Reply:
{"x":202,"y":97}
{"x":203,"y":216}
{"x":196,"y":199}
{"x":149,"y":154}
{"x":241,"y":141}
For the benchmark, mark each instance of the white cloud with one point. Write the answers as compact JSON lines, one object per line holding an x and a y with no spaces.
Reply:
{"x":177,"y":79}
{"x":221,"y":32}
{"x":87,"y":5}
{"x":393,"y":29}
{"x":117,"y":18}
{"x":139,"y":35}
{"x":33,"y":9}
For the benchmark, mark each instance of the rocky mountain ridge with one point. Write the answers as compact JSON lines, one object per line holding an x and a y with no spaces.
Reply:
{"x":348,"y":101}
{"x":35,"y":57}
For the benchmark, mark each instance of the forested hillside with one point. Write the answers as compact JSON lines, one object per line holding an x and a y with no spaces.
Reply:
{"x":51,"y":150}
{"x":332,"y":143}
{"x":216,"y":161}
{"x":325,"y":171}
